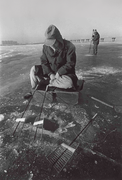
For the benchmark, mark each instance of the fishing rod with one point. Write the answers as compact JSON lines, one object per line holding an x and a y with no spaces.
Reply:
{"x":91,"y":41}
{"x":33,"y":118}
{"x":41,"y":113}
{"x":26,"y":108}
{"x":30,"y":119}
{"x":83,"y":129}
{"x":69,"y":146}
{"x":90,"y":47}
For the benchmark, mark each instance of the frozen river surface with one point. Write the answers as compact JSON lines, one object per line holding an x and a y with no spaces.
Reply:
{"x":101,"y":143}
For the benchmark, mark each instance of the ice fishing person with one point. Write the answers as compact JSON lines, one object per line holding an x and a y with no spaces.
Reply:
{"x":58,"y":62}
{"x":95,"y":39}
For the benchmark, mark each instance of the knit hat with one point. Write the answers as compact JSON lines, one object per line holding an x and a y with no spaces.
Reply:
{"x":52,"y":34}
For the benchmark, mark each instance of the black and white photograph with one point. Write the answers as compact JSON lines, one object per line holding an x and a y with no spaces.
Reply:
{"x":60,"y":89}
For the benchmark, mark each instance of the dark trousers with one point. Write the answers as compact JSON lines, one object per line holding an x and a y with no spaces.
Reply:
{"x":95,"y":48}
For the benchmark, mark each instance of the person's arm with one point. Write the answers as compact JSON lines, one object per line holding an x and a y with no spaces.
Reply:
{"x":96,"y":37}
{"x":70,"y":62}
{"x":45,"y":63}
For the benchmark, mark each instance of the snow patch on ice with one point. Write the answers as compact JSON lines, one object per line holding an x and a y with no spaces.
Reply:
{"x":97,"y":72}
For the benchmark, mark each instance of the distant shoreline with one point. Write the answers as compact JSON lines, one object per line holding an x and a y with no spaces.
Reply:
{"x":105,"y":42}
{"x":80,"y":40}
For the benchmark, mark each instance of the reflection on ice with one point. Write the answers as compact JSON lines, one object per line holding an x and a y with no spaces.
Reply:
{"x":89,"y":55}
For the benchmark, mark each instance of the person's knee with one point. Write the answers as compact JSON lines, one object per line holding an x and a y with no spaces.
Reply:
{"x":32,"y":71}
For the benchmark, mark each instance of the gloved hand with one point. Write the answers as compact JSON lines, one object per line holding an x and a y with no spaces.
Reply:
{"x":52,"y":76}
{"x":57,"y":75}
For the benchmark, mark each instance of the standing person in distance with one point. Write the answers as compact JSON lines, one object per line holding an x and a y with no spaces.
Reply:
{"x":95,"y":39}
{"x":91,"y":41}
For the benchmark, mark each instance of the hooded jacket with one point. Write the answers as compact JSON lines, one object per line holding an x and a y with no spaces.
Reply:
{"x":62,"y":60}
{"x":96,"y":38}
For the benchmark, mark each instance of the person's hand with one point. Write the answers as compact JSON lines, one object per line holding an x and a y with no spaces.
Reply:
{"x":57,"y":76}
{"x":52,"y":76}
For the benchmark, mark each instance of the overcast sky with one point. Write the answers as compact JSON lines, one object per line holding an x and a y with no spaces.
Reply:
{"x":27,"y":20}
